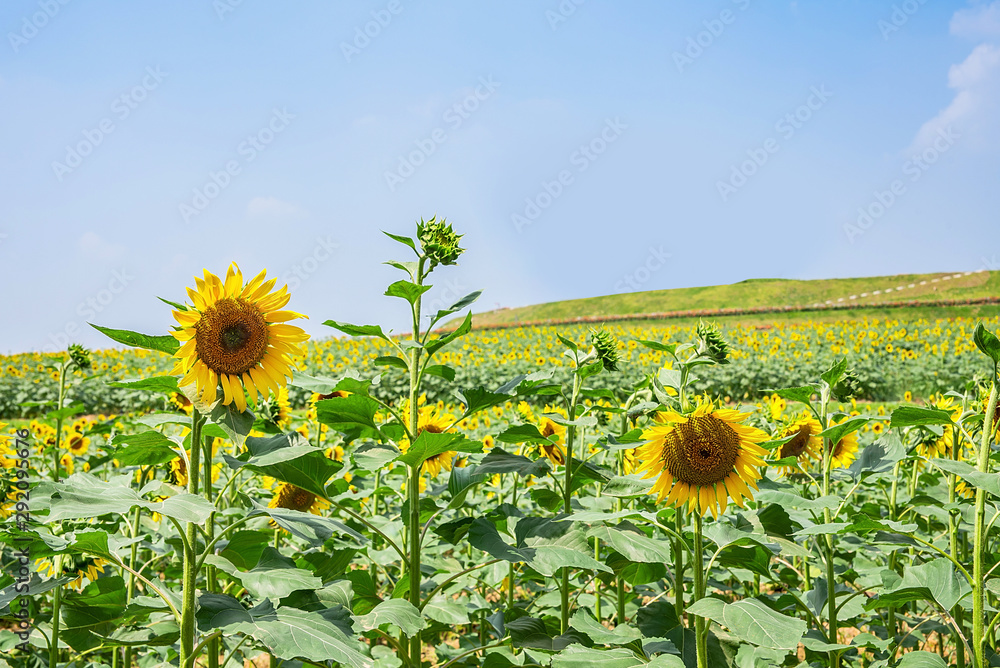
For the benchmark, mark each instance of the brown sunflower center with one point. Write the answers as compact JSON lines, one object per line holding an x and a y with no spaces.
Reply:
{"x":798,"y":444}
{"x":231,"y":336}
{"x":295,"y":498}
{"x":702,"y":451}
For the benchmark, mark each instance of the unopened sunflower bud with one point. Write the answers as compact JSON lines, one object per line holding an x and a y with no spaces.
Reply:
{"x":713,"y":345}
{"x":606,"y":346}
{"x":849,"y":386}
{"x":439,"y":242}
{"x":79,"y":355}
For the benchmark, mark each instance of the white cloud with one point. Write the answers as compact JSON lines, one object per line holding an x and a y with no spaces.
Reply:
{"x":272,"y":207}
{"x":973,"y":111}
{"x":982,"y":20}
{"x":96,"y":248}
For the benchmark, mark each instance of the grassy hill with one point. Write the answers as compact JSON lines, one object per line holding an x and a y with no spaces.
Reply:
{"x":805,"y":298}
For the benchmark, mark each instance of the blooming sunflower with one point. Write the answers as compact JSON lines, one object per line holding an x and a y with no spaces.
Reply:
{"x":77,"y":444}
{"x":90,"y":568}
{"x":236,"y":335}
{"x":556,"y":433}
{"x":805,"y":444}
{"x":846,"y":449}
{"x":702,"y":458}
{"x":288,"y":496}
{"x":435,"y":421}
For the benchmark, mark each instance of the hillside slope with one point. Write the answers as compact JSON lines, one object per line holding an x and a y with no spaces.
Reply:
{"x":760,"y":293}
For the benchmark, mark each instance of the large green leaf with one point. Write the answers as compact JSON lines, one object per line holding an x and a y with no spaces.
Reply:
{"x":576,"y":656}
{"x":147,"y":448}
{"x":356,"y":330}
{"x":83,"y":495}
{"x":406,"y":290}
{"x":568,"y":550}
{"x":343,"y":413}
{"x":163,"y":384}
{"x":987,"y":342}
{"x":632,"y":543}
{"x":921,"y":659}
{"x":288,"y":633}
{"x":288,"y":457}
{"x":437,"y":344}
{"x":163,"y":344}
{"x":398,"y":612}
{"x":236,"y":423}
{"x":965,"y":471}
{"x":95,"y":610}
{"x":909,"y":416}
{"x":275,"y":576}
{"x":934,"y":580}
{"x":314,"y":529}
{"x":752,"y":621}
{"x":499,"y":460}
{"x":428,"y":444}
{"x":484,"y":536}
{"x":602,"y":635}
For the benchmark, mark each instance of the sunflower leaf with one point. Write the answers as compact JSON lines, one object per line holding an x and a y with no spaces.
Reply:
{"x":437,"y":344}
{"x":237,"y":424}
{"x":429,"y":444}
{"x":163,"y":384}
{"x":499,"y":460}
{"x":164,"y":344}
{"x":909,"y":416}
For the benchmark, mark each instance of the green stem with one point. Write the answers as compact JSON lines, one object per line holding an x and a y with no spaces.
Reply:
{"x":679,"y":564}
{"x":700,"y":623}
{"x":189,"y":580}
{"x":413,"y":481}
{"x":831,"y":589}
{"x":211,"y":578}
{"x":568,"y":489}
{"x":56,"y":611}
{"x":57,"y":593}
{"x":979,"y":541}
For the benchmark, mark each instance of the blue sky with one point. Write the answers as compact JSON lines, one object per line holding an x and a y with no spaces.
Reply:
{"x":584,"y":147}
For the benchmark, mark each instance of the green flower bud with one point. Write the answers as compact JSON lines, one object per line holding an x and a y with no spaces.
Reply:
{"x":848,"y":386}
{"x":438,"y":241}
{"x":79,"y":356}
{"x":606,"y":346}
{"x":713,"y":345}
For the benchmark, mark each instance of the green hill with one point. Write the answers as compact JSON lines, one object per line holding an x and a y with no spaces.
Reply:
{"x":816,"y":299}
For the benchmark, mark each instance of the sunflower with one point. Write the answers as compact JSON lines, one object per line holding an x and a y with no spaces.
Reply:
{"x":277,"y":409}
{"x":432,"y":419}
{"x":235,"y":335}
{"x":77,"y":444}
{"x":180,"y":402}
{"x":90,"y":568}
{"x":288,"y":496}
{"x":702,"y":458}
{"x":932,"y":445}
{"x":556,"y":433}
{"x":845,"y":450}
{"x":805,"y":444}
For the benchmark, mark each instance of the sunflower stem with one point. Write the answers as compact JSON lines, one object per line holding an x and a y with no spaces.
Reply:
{"x":190,"y":573}
{"x":211,"y":582}
{"x":568,"y":489}
{"x":679,"y":564}
{"x":953,"y":519}
{"x":413,"y":478}
{"x":979,"y":540}
{"x":57,"y":593}
{"x":831,"y":589}
{"x":700,"y":623}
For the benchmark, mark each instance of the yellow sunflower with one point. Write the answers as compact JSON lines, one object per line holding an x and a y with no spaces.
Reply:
{"x":703,"y":458}
{"x":277,"y":409}
{"x":236,"y":335}
{"x":77,"y":444}
{"x":288,"y":496}
{"x":932,"y":445}
{"x":846,"y":449}
{"x":90,"y":568}
{"x":435,"y":421}
{"x":805,"y":445}
{"x":556,"y":433}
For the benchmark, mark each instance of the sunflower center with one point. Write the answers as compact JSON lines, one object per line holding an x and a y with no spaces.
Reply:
{"x":231,"y":336}
{"x":295,"y":498}
{"x":702,"y":451}
{"x":798,"y":444}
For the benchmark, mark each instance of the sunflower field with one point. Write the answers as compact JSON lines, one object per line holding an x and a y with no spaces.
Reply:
{"x":230,"y":493}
